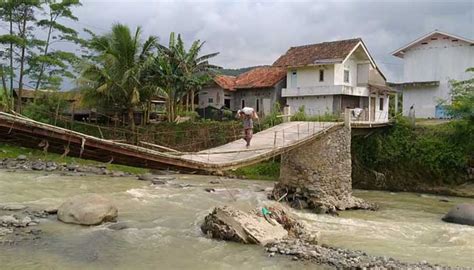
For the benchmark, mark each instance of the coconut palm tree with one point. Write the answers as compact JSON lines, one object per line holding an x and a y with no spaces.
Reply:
{"x":115,"y":77}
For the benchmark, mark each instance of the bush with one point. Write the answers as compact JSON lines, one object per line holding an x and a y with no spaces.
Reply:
{"x":45,"y":107}
{"x":433,"y":154}
{"x":300,"y":115}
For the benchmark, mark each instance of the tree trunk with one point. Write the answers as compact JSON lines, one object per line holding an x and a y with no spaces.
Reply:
{"x":11,"y":61}
{"x":192,"y":99}
{"x":131,"y":120}
{"x":22,"y":63}
{"x":5,"y":91}
{"x":187,"y":101}
{"x":38,"y":81}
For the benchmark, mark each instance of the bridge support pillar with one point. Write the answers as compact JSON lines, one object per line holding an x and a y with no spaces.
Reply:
{"x":318,"y":175}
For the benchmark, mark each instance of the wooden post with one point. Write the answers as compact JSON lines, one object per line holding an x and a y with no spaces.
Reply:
{"x":283,"y":134}
{"x":347,"y":117}
{"x":275,"y":139}
{"x":298,"y":128}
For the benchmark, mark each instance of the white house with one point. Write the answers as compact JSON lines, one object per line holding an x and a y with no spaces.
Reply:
{"x":328,"y":77}
{"x":259,"y":88}
{"x":430,"y":62}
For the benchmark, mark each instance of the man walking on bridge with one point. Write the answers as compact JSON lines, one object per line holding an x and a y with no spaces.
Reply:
{"x":247,"y":115}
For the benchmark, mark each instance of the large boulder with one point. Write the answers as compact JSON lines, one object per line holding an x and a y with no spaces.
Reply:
{"x":461,"y":214}
{"x":227,"y":223}
{"x":88,"y":209}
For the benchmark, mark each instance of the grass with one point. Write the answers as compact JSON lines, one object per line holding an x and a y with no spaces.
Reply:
{"x":267,"y":170}
{"x":12,"y":151}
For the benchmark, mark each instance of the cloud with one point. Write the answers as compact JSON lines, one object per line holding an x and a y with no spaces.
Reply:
{"x":250,"y":33}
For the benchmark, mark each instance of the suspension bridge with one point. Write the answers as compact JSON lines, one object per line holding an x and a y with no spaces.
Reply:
{"x":265,"y":145}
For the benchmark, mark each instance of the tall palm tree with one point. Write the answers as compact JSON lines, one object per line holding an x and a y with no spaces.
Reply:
{"x":115,"y":79}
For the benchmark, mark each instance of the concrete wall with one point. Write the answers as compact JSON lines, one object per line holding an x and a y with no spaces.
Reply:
{"x":314,"y":105}
{"x":423,"y":99}
{"x":309,"y":76}
{"x":438,"y":60}
{"x":217,"y":94}
{"x":266,"y":97}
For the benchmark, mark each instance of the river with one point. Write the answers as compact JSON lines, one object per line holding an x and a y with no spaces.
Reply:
{"x":164,"y":224}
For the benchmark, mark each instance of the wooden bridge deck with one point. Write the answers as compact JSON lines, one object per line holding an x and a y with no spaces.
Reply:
{"x":264,"y":145}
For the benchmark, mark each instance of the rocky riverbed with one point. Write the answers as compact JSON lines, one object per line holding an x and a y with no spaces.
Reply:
{"x":299,"y":249}
{"x":21,"y":163}
{"x":19,"y":223}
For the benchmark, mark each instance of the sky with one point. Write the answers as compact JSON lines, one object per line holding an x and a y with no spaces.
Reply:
{"x":248,"y":33}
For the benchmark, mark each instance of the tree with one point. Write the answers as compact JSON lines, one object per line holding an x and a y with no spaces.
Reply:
{"x":462,"y":94}
{"x":180,"y":73}
{"x":115,"y":78}
{"x":55,"y":62}
{"x":19,"y":14}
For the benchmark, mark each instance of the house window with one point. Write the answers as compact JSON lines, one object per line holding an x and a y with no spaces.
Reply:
{"x":210,"y":100}
{"x":257,"y":107}
{"x":243,"y":103}
{"x":346,"y":76}
{"x":381,"y":103}
{"x":321,"y":75}
{"x":293,"y":79}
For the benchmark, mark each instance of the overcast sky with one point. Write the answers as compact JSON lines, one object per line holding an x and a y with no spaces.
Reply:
{"x":248,"y":33}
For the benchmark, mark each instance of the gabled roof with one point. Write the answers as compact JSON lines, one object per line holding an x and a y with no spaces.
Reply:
{"x":401,"y":51}
{"x":320,"y":53}
{"x":324,"y":53}
{"x":260,"y":77}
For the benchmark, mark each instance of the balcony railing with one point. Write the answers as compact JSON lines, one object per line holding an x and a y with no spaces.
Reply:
{"x":325,"y":90}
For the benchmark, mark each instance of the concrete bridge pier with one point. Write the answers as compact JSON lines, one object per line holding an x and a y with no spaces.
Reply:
{"x":318,"y":175}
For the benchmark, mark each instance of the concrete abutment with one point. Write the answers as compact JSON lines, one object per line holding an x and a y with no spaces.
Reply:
{"x":318,"y":175}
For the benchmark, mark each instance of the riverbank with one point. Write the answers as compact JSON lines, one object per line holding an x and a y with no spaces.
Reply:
{"x":14,"y":157}
{"x":436,"y":159}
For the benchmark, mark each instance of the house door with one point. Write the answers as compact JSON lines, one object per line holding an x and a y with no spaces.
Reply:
{"x":266,"y":104}
{"x":227,"y":103}
{"x":372,"y":109}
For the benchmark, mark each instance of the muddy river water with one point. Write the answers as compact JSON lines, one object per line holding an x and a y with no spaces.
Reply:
{"x":163,"y":226}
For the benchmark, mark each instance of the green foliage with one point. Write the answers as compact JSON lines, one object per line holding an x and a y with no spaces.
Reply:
{"x":46,"y":107}
{"x":115,"y":80}
{"x":436,"y":154}
{"x":300,"y":115}
{"x":272,"y":119}
{"x":462,"y":103}
{"x":179,"y":74}
{"x":267,"y":170}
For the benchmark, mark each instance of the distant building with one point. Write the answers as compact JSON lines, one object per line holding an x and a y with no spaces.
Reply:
{"x":430,"y":62}
{"x":259,"y":88}
{"x":328,"y":77}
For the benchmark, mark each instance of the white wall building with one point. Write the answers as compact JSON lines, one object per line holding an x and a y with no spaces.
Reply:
{"x":430,"y":62}
{"x":328,"y":77}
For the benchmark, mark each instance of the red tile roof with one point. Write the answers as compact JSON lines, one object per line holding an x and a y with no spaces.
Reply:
{"x":328,"y":52}
{"x":260,"y":77}
{"x":225,"y":82}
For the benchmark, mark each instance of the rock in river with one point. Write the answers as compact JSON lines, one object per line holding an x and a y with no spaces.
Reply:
{"x":461,"y":214}
{"x":87,"y":209}
{"x":227,"y":223}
